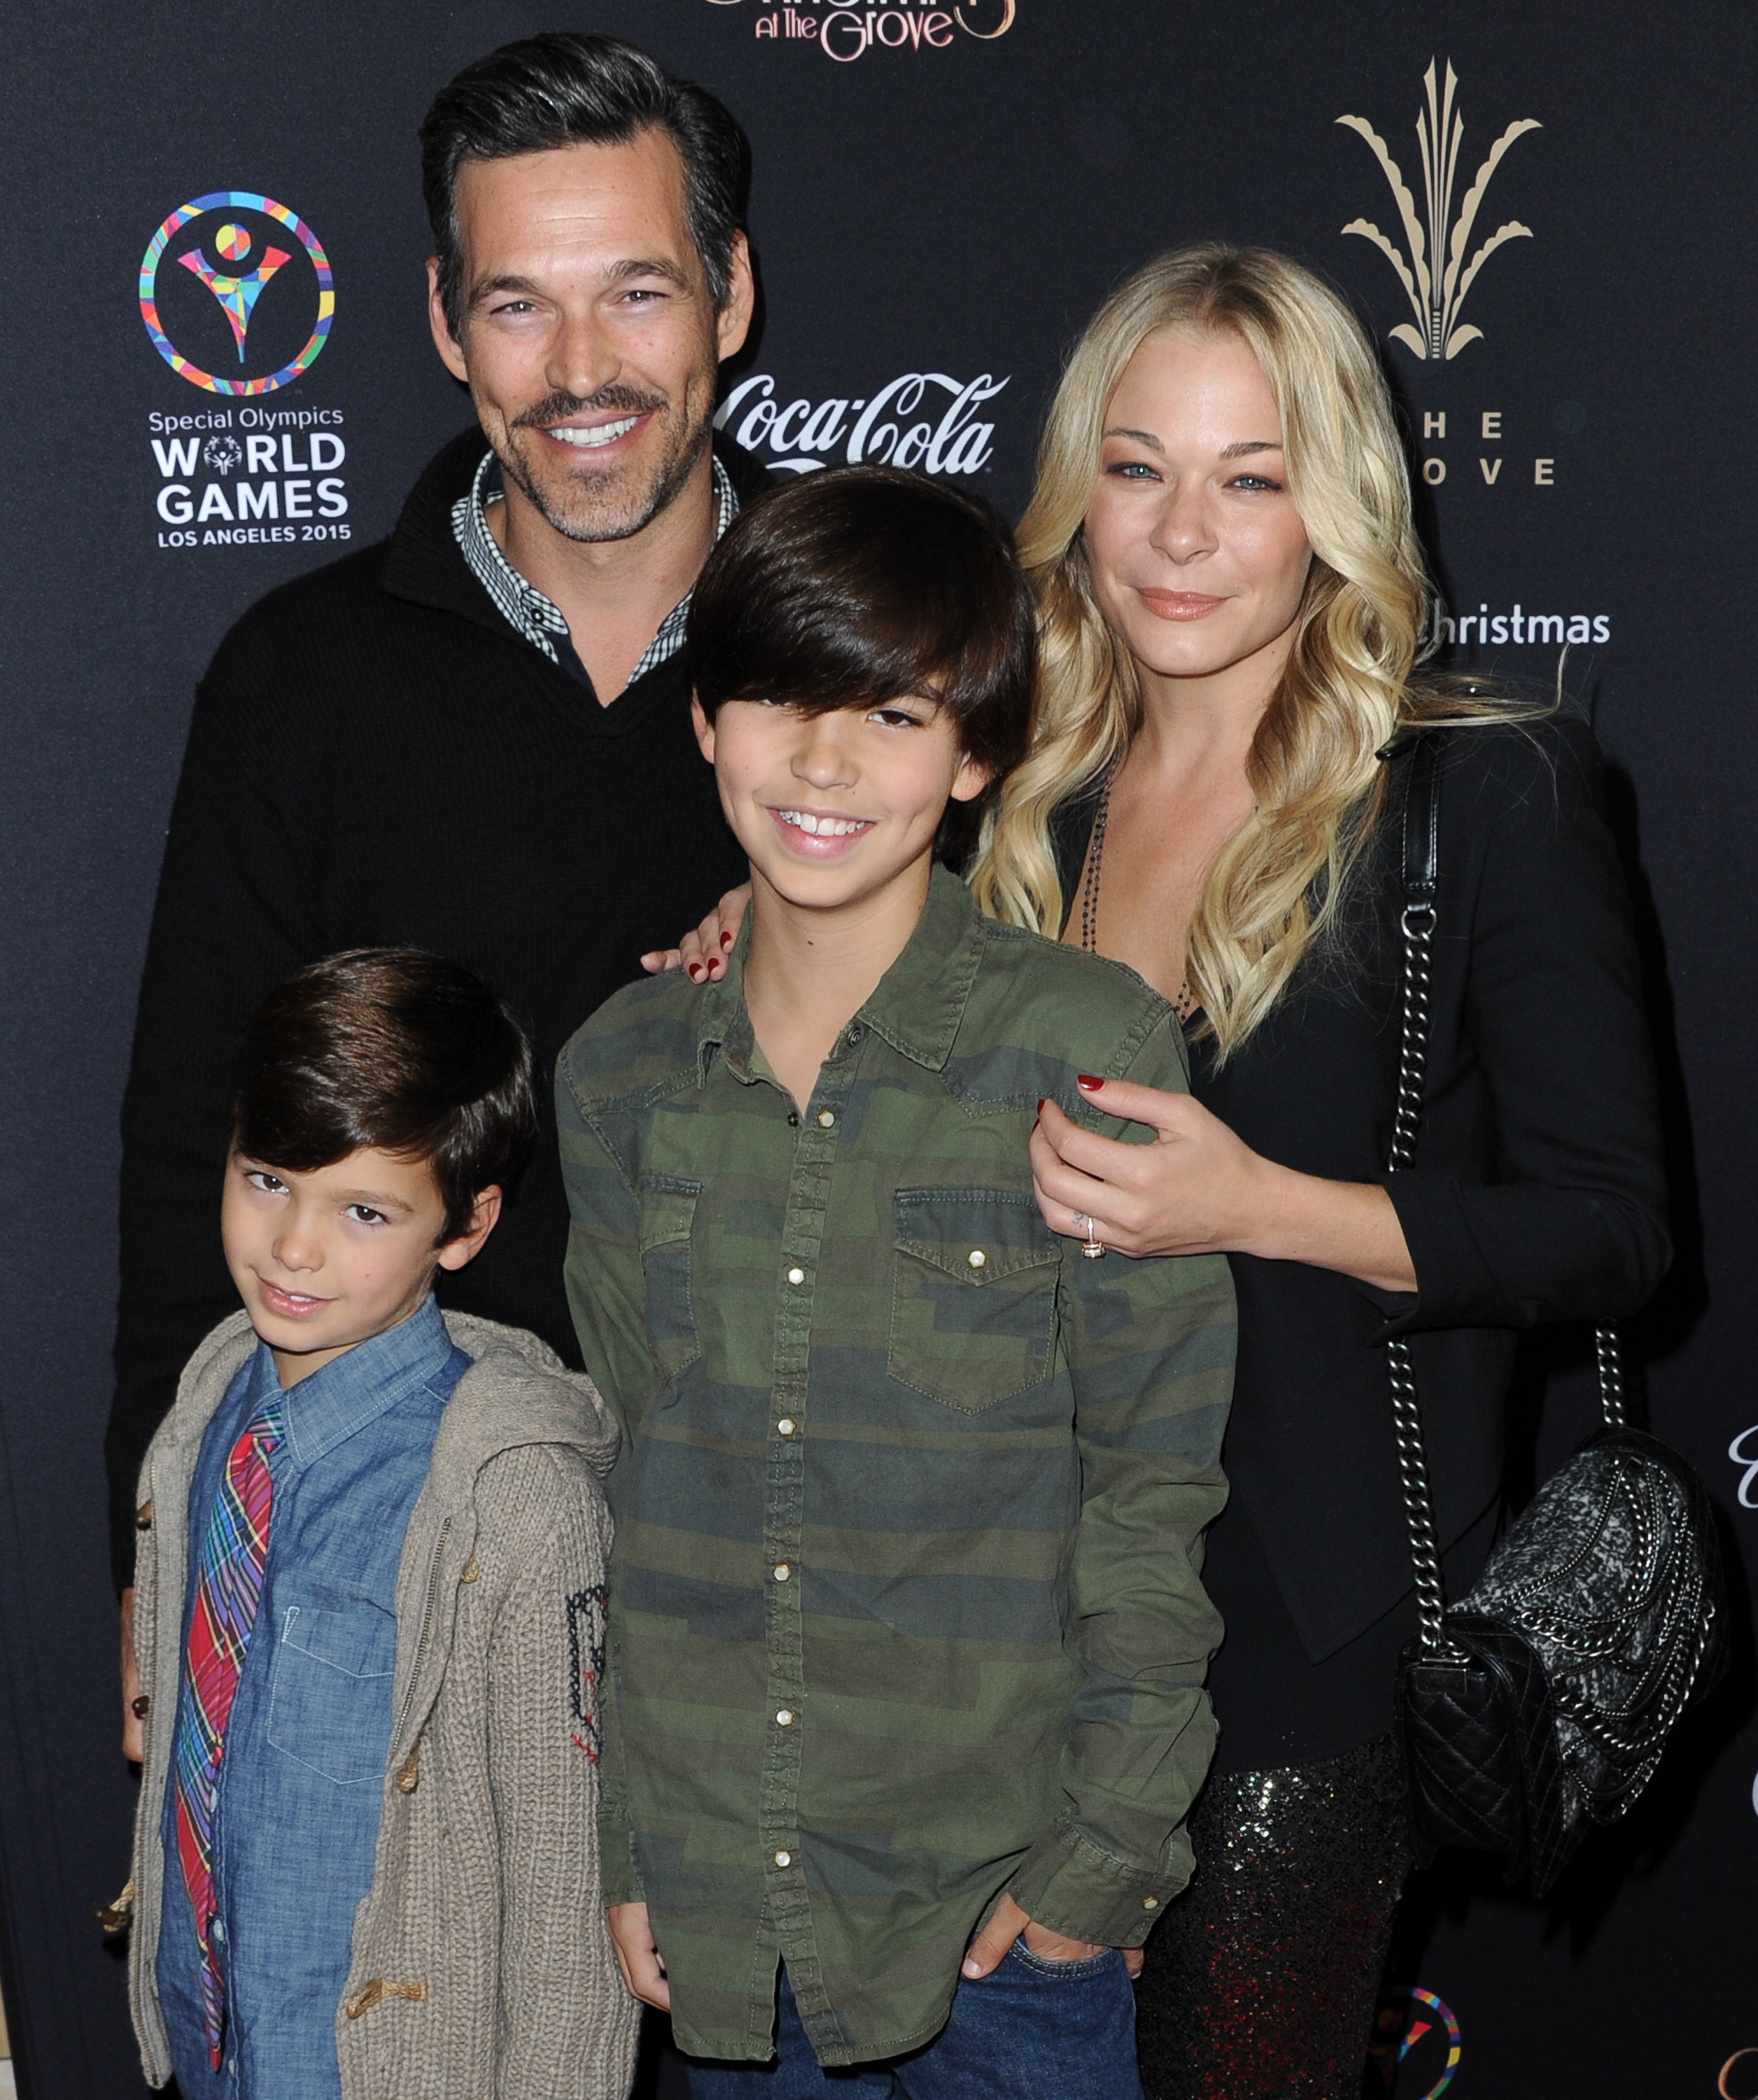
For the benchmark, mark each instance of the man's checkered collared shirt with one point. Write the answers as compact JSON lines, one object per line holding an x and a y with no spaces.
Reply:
{"x":537,"y":618}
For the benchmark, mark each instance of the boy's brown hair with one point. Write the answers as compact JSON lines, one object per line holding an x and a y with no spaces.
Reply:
{"x":394,"y":1049}
{"x":857,"y":585}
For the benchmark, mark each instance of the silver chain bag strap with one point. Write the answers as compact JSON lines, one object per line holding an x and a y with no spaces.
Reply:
{"x":1541,"y":1702}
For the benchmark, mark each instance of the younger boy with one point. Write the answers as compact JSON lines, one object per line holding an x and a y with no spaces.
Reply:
{"x":369,"y":1599}
{"x":907,"y":1629}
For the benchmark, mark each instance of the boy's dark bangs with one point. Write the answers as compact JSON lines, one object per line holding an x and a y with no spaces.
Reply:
{"x":860,"y":585}
{"x":819,"y":649}
{"x":291,"y":1117}
{"x":268,"y":1129}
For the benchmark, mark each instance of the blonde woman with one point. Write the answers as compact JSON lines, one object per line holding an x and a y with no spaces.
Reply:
{"x":1230,"y":595}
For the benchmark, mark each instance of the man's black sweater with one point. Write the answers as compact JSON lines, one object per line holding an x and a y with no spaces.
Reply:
{"x":375,"y":757}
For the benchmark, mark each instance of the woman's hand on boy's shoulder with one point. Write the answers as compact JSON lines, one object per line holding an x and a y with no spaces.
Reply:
{"x":1196,"y":1188}
{"x":637,"y":1954}
{"x":1007,"y":1922}
{"x":703,"y":953}
{"x":1199,"y":1188}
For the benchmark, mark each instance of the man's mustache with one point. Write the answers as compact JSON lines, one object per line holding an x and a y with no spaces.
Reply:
{"x":616,"y":398}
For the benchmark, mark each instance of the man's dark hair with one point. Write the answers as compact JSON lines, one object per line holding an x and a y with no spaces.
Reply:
{"x":395,"y":1049}
{"x":566,"y":88}
{"x":855,"y":585}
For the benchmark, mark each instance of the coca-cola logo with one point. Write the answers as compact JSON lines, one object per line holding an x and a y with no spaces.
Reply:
{"x":925,"y":420}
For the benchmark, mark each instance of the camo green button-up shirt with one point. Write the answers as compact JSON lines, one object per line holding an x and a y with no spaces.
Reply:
{"x":906,"y":1603}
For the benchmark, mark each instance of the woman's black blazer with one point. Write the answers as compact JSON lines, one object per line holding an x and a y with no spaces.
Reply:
{"x":1539,"y":1191}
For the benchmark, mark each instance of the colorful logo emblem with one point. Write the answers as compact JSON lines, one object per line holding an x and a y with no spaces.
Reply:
{"x":248,"y":261}
{"x":1399,"y":2033}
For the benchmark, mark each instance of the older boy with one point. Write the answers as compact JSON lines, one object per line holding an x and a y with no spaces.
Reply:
{"x":371,"y":1597}
{"x":908,"y":1632}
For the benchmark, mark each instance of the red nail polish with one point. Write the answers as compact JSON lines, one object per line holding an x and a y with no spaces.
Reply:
{"x":695,"y":971}
{"x":726,"y":940}
{"x":1089,"y":1083}
{"x":1041,"y":1099}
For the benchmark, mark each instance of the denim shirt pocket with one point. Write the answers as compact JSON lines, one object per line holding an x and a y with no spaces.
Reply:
{"x":973,"y":1318}
{"x":667,"y":1222}
{"x":329,"y":1705}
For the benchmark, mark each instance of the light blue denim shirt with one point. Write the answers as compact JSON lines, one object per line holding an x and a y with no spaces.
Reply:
{"x":301,"y":1779}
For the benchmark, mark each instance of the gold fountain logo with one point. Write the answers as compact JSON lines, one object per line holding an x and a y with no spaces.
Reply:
{"x":1434,"y":273}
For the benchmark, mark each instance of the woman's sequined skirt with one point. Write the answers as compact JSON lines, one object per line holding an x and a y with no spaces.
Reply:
{"x":1260,"y":1982}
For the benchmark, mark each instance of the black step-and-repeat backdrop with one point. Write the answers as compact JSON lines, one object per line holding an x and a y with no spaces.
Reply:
{"x":215,"y":373}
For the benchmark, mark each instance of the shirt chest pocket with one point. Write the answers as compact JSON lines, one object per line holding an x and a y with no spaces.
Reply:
{"x":973,"y":1318}
{"x":668,"y":1220}
{"x":330,"y":1704}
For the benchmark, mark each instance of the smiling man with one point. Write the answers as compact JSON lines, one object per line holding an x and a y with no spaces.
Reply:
{"x":475,"y":737}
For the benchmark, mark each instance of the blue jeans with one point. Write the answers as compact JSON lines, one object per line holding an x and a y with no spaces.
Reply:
{"x":1030,"y":2028}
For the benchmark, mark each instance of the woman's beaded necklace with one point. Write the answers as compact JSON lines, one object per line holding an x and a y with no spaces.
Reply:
{"x":1185,"y":1004}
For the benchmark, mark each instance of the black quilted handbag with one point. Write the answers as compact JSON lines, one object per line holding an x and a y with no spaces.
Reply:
{"x":1542,"y":1701}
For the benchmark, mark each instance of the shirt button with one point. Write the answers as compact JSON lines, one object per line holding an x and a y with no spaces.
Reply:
{"x":852,"y":1038}
{"x":785,"y":1718}
{"x":219,"y":1929}
{"x":784,"y":1858}
{"x":1150,"y":1903}
{"x":793,"y":1119}
{"x":786,"y":1426}
{"x":783,"y":1571}
{"x":796,"y":1276}
{"x":827,"y":1120}
{"x":976,"y":1258}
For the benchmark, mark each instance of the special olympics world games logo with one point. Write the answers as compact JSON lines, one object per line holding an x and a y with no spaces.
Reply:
{"x":1432,"y":267}
{"x":226,"y":251}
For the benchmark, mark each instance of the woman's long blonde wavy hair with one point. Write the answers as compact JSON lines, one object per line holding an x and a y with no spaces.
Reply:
{"x":1348,"y":689}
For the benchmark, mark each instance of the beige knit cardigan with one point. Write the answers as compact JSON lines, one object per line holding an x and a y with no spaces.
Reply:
{"x":481,"y":1964}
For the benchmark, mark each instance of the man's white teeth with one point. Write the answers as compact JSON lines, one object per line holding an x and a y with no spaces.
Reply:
{"x":822,"y":828}
{"x":600,"y":434}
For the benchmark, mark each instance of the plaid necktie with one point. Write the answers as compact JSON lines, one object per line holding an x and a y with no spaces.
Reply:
{"x":228,"y":1589}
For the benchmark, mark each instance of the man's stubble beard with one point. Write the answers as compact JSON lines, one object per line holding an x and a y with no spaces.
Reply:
{"x":586,"y":506}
